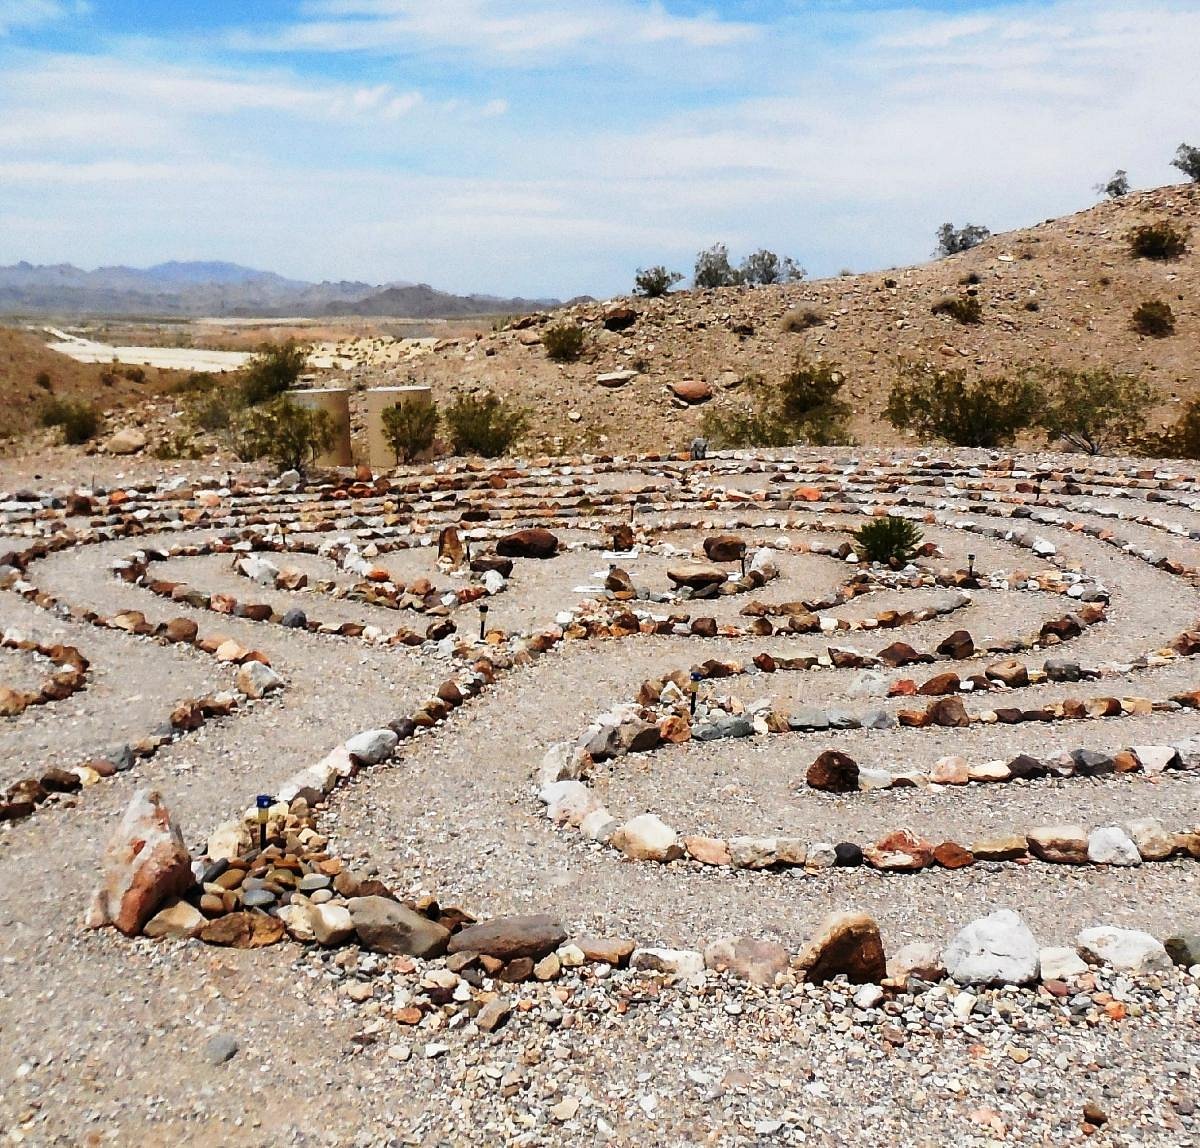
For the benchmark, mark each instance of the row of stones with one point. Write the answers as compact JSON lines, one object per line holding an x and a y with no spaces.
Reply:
{"x":68,"y":679}
{"x":254,"y":679}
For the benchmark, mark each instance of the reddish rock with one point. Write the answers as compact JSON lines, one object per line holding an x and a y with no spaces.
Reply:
{"x":939,"y":685}
{"x":833,"y":772}
{"x":611,"y":951}
{"x":951,"y":855}
{"x":145,"y":863}
{"x":724,"y":548}
{"x":692,"y":390}
{"x":708,"y":850}
{"x":949,"y":712}
{"x":958,"y":645}
{"x":902,"y":851}
{"x":535,"y":542}
{"x":899,"y":654}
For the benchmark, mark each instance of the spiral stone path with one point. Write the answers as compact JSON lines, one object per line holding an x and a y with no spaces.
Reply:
{"x":690,"y":735}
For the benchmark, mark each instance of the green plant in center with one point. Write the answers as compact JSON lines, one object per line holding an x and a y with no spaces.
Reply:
{"x":889,"y":540}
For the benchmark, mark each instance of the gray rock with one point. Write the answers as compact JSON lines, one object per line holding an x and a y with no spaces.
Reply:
{"x":372,"y":746}
{"x":294,"y":619}
{"x":510,"y":938}
{"x":1125,"y":950}
{"x":1062,"y":670}
{"x":221,"y":1048}
{"x":996,"y":949}
{"x":388,"y":927}
{"x":1110,"y":845}
{"x":808,"y":717}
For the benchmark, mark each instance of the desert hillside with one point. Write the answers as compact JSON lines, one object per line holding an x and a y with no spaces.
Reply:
{"x":1060,"y":292}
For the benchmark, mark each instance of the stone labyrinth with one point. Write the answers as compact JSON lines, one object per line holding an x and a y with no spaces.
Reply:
{"x":663,"y":702}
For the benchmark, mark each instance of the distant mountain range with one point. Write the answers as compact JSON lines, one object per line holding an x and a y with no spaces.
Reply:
{"x":227,"y":290}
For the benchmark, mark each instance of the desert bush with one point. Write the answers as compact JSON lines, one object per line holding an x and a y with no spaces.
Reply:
{"x":43,"y":382}
{"x":943,"y":404}
{"x":484,"y":425}
{"x":1162,"y":240}
{"x":563,"y":342}
{"x":970,"y":279}
{"x":889,"y":540}
{"x":655,"y":282}
{"x":289,"y":435}
{"x":804,"y":408}
{"x":79,"y":420}
{"x":965,"y":309}
{"x":1116,"y":186}
{"x":763,"y":267}
{"x":713,"y":269}
{"x":134,"y":374}
{"x":1154,"y":318}
{"x":953,"y":241}
{"x":1187,"y":159}
{"x":1094,"y":410}
{"x":197,"y":382}
{"x":409,"y":429}
{"x":801,"y":319}
{"x":274,"y":369}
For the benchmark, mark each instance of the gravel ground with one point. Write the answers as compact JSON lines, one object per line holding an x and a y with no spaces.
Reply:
{"x":108,"y":1041}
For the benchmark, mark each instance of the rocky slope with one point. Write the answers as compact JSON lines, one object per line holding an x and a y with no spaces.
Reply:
{"x":1059,"y":292}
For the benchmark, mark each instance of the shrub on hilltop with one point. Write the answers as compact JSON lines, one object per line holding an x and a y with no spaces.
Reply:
{"x":655,"y":282}
{"x":563,"y":342}
{"x":953,"y":240}
{"x":966,"y":310}
{"x":1162,"y":241}
{"x":1187,"y":159}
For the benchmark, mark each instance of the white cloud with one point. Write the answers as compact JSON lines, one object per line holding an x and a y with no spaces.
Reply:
{"x":17,"y":14}
{"x":501,"y":31}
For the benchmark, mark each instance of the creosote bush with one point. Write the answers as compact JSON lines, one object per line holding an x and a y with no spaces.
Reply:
{"x":953,"y":241}
{"x":966,"y":310}
{"x":289,"y":435}
{"x":804,"y":408}
{"x":79,"y":420}
{"x":944,"y":404}
{"x":1162,"y":240}
{"x":410,"y":428}
{"x":1154,"y":318}
{"x":273,"y":370}
{"x":563,"y":342}
{"x":1095,"y":410}
{"x":655,"y":282}
{"x":890,"y":539}
{"x":1187,"y":159}
{"x":1116,"y":186}
{"x":802,"y":319}
{"x":485,"y":425}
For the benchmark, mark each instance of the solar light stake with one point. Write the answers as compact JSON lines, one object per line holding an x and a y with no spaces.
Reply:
{"x":696,"y":680}
{"x":743,"y":566}
{"x":970,"y":565}
{"x":263,"y":803}
{"x":483,"y":612}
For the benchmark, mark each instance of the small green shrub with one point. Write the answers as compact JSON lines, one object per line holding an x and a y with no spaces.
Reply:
{"x":410,"y":428}
{"x":954,"y":241}
{"x":804,"y":408}
{"x":802,"y":319}
{"x":890,"y":540}
{"x":966,"y":310}
{"x":42,"y":381}
{"x":655,"y":282}
{"x":289,"y":435}
{"x":563,"y":342}
{"x":1154,"y":318}
{"x":942,"y":404}
{"x":1094,"y":410}
{"x":79,"y":420}
{"x":1116,"y":186}
{"x":272,"y":371}
{"x":1162,"y":241}
{"x":134,"y":374}
{"x":213,"y":410}
{"x":484,"y":425}
{"x":197,"y":382}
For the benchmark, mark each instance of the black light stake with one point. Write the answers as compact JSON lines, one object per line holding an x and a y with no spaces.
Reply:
{"x":697,"y":678}
{"x":970,"y":565}
{"x":743,"y":565}
{"x":263,"y":802}
{"x":483,"y":612}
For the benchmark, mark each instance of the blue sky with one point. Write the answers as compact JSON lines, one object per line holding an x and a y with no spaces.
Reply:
{"x":553,"y":146}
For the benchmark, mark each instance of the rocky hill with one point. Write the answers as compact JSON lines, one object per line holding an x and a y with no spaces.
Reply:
{"x":1060,"y":292}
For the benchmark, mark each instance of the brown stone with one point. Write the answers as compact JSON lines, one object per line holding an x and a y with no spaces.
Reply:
{"x":696,"y":575}
{"x":939,"y":685}
{"x":610,"y":951}
{"x":534,"y":542}
{"x":848,"y":944}
{"x":245,"y":930}
{"x":724,"y":548}
{"x":951,"y":855}
{"x":692,"y":390}
{"x":708,"y":850}
{"x":949,"y":712}
{"x":1060,"y":844}
{"x":1009,"y":671}
{"x":508,"y":938}
{"x":1008,"y":848}
{"x":958,"y":645}
{"x":898,"y":654}
{"x":833,"y":772}
{"x":756,"y":961}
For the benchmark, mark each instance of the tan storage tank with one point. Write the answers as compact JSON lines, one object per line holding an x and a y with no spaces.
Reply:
{"x":380,"y":456}
{"x":335,"y":402}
